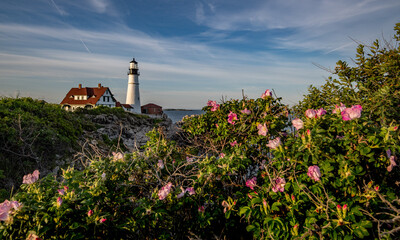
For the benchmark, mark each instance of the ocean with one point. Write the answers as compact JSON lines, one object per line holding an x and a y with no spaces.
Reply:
{"x":177,"y":115}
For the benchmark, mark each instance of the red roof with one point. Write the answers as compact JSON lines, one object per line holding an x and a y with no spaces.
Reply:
{"x":93,"y":95}
{"x":127,"y":106}
{"x":151,"y":105}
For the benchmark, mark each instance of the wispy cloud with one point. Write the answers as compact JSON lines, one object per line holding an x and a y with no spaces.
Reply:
{"x":100,"y":5}
{"x":62,"y":12}
{"x":235,"y":45}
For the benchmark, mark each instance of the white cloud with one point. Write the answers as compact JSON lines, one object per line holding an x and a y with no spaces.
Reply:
{"x":100,"y":5}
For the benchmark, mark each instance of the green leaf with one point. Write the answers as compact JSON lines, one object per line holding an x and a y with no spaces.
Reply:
{"x":348,"y":237}
{"x":250,"y":228}
{"x":275,"y":206}
{"x":366,"y":224}
{"x":358,"y":233}
{"x":244,"y":210}
{"x":364,"y":231}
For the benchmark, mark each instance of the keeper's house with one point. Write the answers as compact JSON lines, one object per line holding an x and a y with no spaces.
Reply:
{"x":88,"y":97}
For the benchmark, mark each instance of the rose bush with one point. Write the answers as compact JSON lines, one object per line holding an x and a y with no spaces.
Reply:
{"x":326,"y":177}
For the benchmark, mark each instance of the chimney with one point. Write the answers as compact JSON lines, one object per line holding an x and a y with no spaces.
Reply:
{"x":80,"y":86}
{"x":99,"y":85}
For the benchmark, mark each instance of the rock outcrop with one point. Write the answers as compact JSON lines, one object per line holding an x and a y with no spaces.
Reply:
{"x":129,"y":130}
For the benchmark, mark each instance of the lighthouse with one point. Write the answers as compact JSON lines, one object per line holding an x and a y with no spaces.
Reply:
{"x":132,"y":94}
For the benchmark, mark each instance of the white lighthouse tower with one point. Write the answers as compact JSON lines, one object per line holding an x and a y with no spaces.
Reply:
{"x":132,"y":94}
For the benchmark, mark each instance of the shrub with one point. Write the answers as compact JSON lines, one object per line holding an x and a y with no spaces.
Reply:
{"x":373,"y":82}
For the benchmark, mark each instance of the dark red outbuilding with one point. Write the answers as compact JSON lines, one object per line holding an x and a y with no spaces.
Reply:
{"x":152,"y":108}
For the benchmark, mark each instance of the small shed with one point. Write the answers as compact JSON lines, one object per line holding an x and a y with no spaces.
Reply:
{"x":152,"y":108}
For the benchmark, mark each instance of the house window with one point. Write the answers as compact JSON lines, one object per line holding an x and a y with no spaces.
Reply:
{"x":106,"y":98}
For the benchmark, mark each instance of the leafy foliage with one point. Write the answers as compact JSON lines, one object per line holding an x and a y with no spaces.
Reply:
{"x":373,"y":82}
{"x":32,"y":132}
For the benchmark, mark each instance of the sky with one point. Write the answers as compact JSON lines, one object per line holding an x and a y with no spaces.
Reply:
{"x":188,"y":51}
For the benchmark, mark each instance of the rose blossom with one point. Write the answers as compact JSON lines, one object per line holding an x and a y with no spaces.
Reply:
{"x":234,"y":143}
{"x":164,"y":191}
{"x":339,"y":109}
{"x":246,"y":111}
{"x":274,"y":143}
{"x":190,"y":190}
{"x":213,"y":104}
{"x":351,"y":113}
{"x":279,"y":185}
{"x":298,"y":123}
{"x":262,"y":129}
{"x":311,"y":113}
{"x":103,"y":220}
{"x":321,"y":112}
{"x":7,"y":207}
{"x":31,"y":178}
{"x":314,"y":173}
{"x":266,"y":94}
{"x":251,"y":183}
{"x":232,"y":117}
{"x":210,"y":103}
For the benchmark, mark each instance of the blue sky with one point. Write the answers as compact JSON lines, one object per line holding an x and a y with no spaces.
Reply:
{"x":189,"y":51}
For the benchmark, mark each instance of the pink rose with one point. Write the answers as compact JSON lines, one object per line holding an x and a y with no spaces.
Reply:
{"x":298,"y":123}
{"x":31,"y":178}
{"x":251,"y":183}
{"x":311,"y":113}
{"x":234,"y":143}
{"x":314,"y":173}
{"x":339,"y":108}
{"x":246,"y":111}
{"x":7,"y":208}
{"x":351,"y":113}
{"x":266,"y":94}
{"x":213,"y":104}
{"x":190,"y":190}
{"x":164,"y":191}
{"x":279,"y":185}
{"x":320,"y":112}
{"x":232,"y":117}
{"x":275,"y":143}
{"x":103,"y":220}
{"x":262,"y":129}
